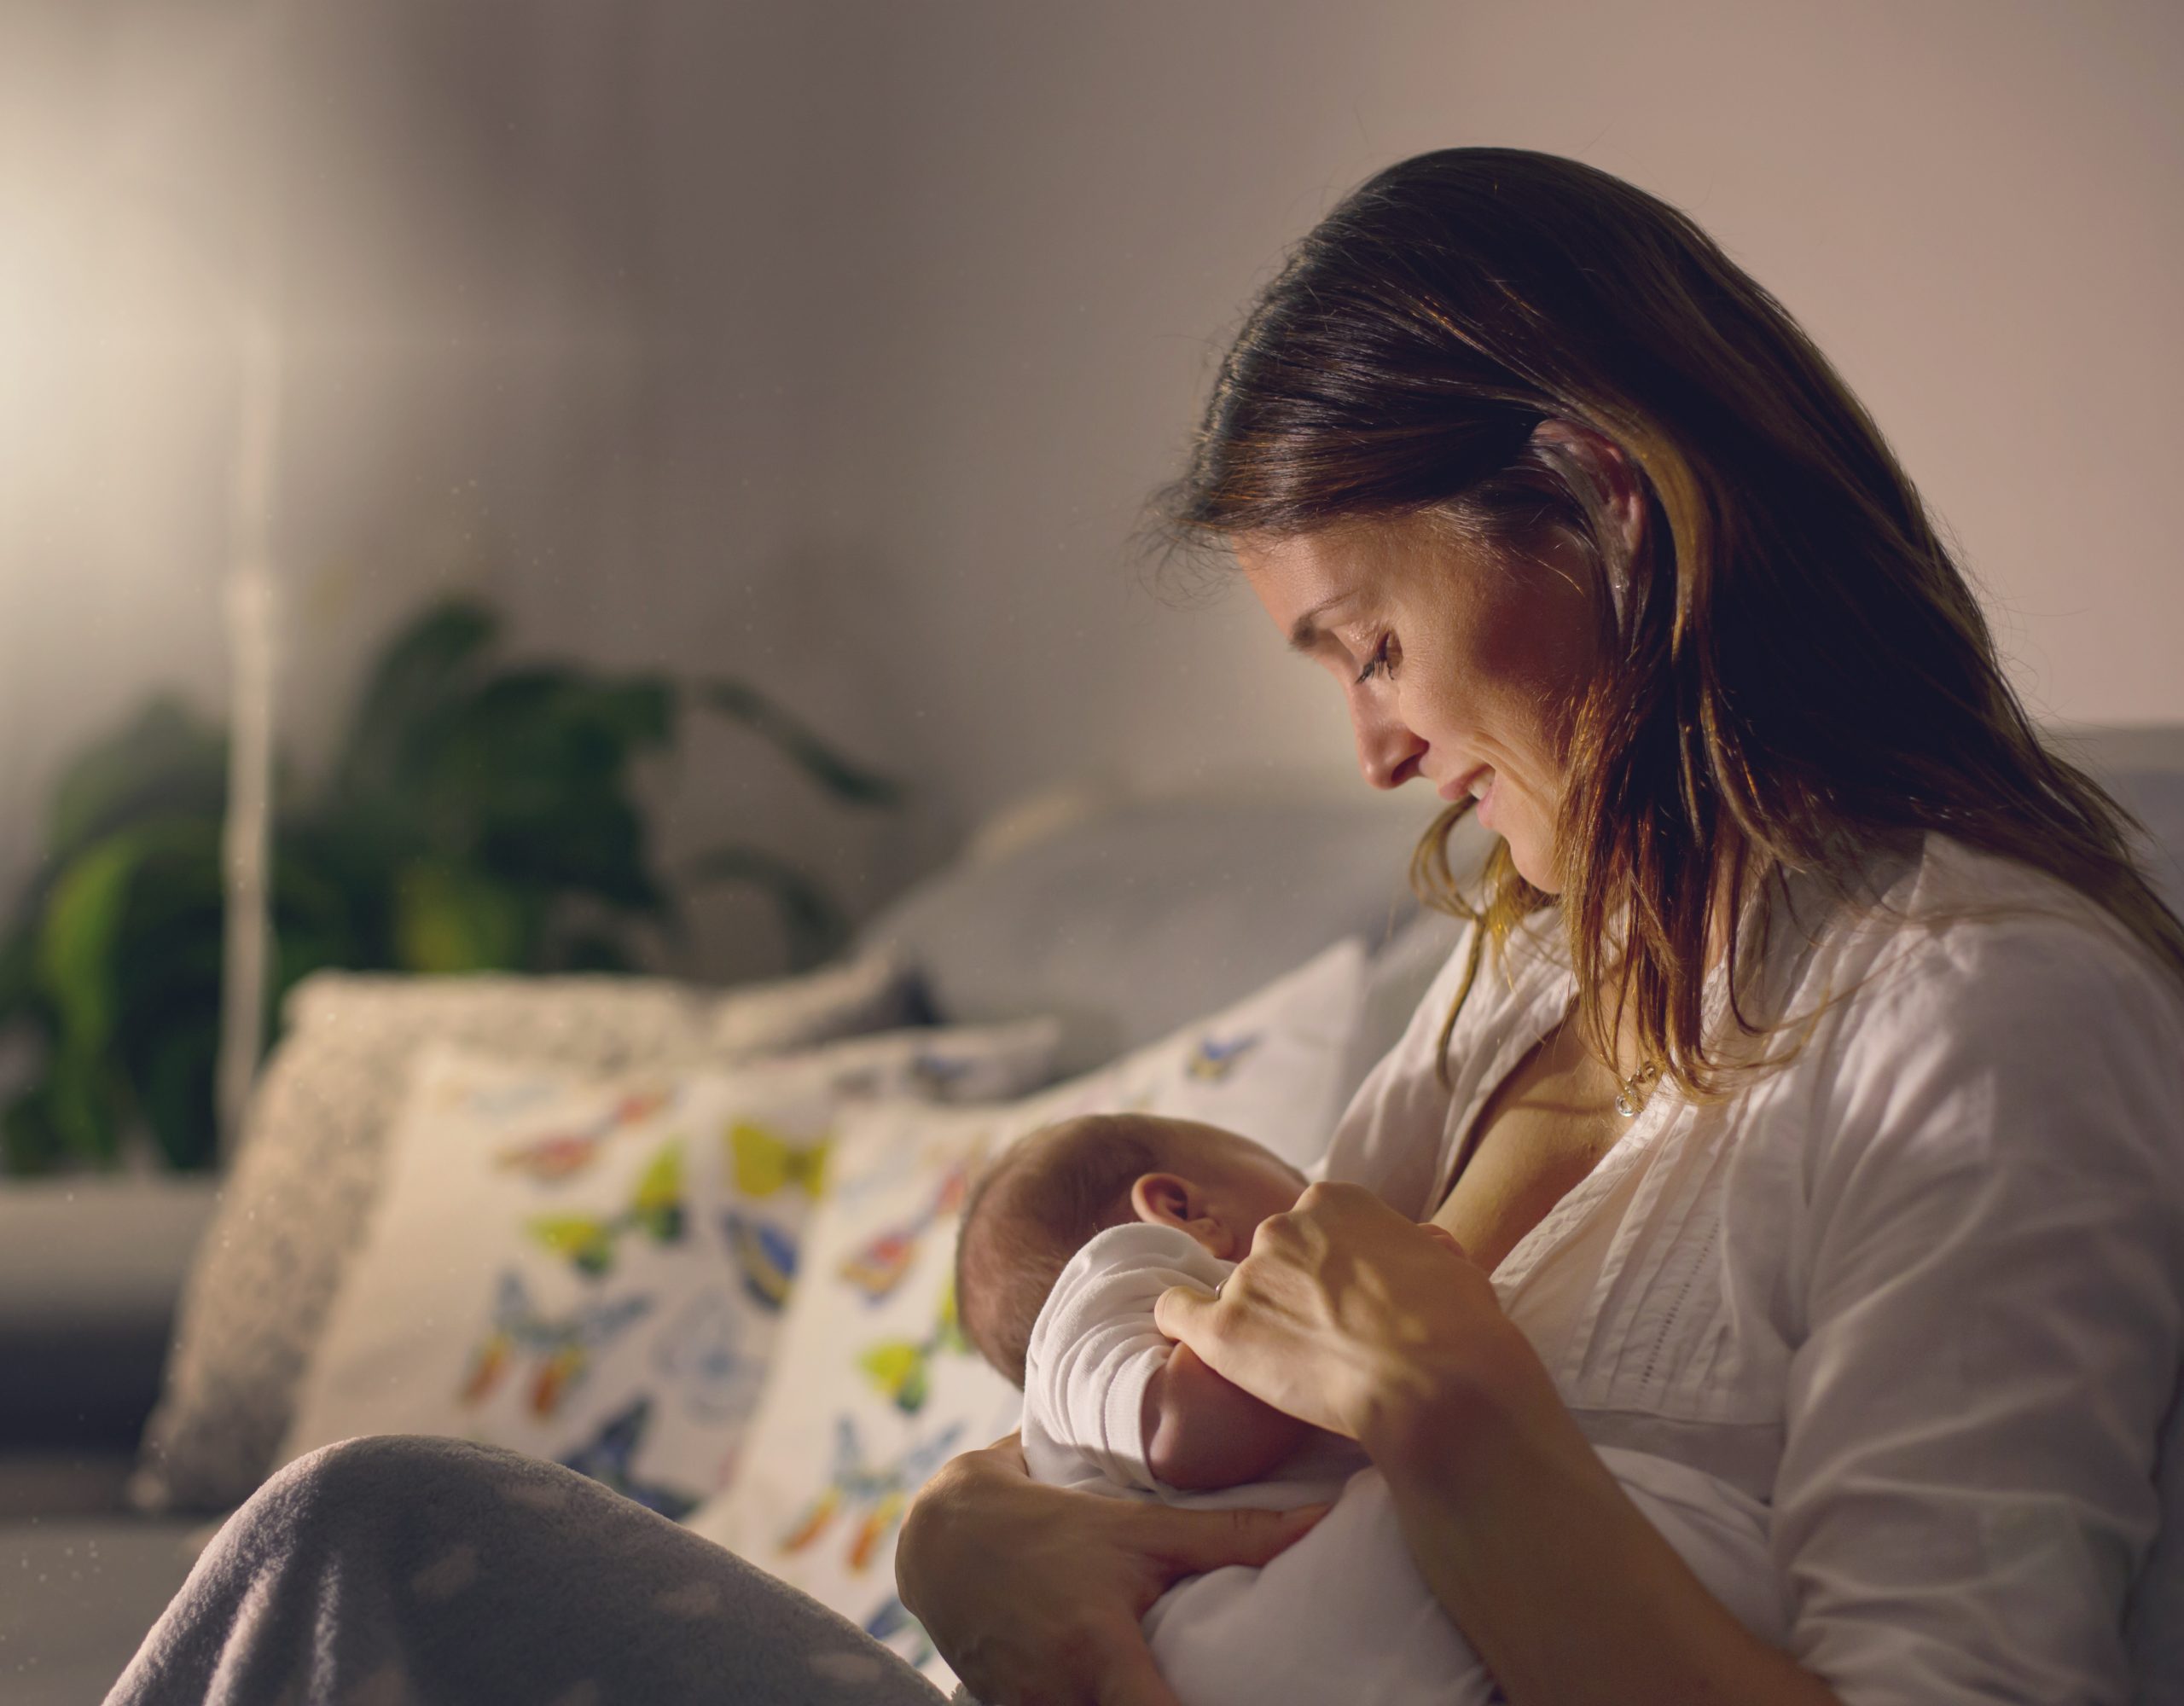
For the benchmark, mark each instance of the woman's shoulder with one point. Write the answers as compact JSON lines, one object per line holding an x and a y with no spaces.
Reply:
{"x":1952,"y":924}
{"x":1987,"y":996}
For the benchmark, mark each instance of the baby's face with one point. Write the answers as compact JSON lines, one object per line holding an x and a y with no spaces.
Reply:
{"x":1217,"y":1186}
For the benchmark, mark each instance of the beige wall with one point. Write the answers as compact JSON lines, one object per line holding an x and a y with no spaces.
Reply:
{"x":835,"y":346}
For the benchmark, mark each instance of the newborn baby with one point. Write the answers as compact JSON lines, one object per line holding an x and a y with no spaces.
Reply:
{"x":1067,"y":1241}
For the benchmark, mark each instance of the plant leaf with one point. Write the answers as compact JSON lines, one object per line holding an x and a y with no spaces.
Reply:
{"x":452,"y":918}
{"x":422,"y":668}
{"x":129,"y":947}
{"x":87,"y":1103}
{"x":588,"y":950}
{"x":175,"y":1092}
{"x":594,"y":846}
{"x":164,"y":762}
{"x":840,"y":776}
{"x":76,"y":947}
{"x":20,"y":997}
{"x":29,"y":1141}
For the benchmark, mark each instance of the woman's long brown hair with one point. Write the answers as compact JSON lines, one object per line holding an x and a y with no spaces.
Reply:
{"x":1798,"y":669}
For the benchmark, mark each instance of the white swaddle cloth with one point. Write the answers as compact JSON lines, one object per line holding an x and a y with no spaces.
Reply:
{"x":1344,"y":1614}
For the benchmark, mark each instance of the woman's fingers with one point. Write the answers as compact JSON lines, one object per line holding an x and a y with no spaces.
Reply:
{"x":1195,"y":1541}
{"x":1338,"y":1297}
{"x":1178,"y":1311}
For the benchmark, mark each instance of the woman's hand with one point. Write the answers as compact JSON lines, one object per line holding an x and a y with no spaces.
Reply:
{"x":1351,"y":1317}
{"x":1034,"y":1593}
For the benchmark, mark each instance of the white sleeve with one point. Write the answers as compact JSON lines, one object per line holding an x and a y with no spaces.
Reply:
{"x":1389,"y":1138}
{"x":1988,"y":1279}
{"x":1095,"y":1349}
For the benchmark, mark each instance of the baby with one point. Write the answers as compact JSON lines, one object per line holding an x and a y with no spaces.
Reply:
{"x":1066,"y":1243}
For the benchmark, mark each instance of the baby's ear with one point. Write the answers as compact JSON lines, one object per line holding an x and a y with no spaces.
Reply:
{"x":1165,"y":1198}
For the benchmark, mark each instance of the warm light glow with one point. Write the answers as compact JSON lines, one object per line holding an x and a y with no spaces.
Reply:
{"x":118,"y":330}
{"x":41,"y":344}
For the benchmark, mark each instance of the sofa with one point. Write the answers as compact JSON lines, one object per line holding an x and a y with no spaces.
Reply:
{"x":1109,"y":919}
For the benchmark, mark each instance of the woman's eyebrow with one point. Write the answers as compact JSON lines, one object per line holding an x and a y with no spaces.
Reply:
{"x":1305,"y":633}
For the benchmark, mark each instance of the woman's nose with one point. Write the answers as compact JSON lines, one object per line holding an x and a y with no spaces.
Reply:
{"x":1385,"y":748}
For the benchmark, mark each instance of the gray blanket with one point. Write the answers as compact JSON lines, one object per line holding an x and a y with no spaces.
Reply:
{"x":409,"y":1571}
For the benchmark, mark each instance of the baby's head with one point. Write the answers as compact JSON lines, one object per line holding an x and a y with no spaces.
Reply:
{"x":1053,"y":1190}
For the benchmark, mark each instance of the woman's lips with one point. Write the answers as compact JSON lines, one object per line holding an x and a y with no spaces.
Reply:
{"x":1477,"y":780}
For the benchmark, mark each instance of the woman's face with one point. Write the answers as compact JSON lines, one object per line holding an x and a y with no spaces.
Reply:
{"x":1458,"y":665}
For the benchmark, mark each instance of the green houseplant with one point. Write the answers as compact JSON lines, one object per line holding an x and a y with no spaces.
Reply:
{"x":478,"y":816}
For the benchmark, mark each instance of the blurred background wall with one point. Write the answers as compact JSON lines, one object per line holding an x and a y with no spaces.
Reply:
{"x":835,"y":346}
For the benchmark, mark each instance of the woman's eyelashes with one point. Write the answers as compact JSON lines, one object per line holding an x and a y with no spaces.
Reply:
{"x":1381,"y":662}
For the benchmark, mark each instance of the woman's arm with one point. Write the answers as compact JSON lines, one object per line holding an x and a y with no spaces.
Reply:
{"x":1355,"y":1319}
{"x":1034,"y":1594}
{"x":1569,"y":1593}
{"x":1989,"y":1297}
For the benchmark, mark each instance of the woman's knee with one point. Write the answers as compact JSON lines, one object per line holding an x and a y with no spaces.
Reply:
{"x":375,"y":1476}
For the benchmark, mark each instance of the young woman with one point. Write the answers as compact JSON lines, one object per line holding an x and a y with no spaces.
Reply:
{"x":1813,"y":1083}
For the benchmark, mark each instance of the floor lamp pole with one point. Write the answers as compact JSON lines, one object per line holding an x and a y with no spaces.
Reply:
{"x":247,"y":841}
{"x":252,"y":613}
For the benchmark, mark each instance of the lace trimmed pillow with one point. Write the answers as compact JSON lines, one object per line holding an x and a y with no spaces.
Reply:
{"x":292,"y":1207}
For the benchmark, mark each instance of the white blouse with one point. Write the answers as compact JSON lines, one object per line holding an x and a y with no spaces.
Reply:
{"x":1922,"y":1289}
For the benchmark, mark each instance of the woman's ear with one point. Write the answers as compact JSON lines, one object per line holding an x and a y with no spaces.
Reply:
{"x":1612,"y":470}
{"x":1170,"y":1199}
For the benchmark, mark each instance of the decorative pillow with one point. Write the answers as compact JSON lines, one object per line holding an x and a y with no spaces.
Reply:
{"x":292,"y":1205}
{"x":591,"y":1268}
{"x":873,"y":1387}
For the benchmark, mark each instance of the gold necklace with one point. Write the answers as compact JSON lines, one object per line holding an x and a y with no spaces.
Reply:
{"x":1628,"y":1099}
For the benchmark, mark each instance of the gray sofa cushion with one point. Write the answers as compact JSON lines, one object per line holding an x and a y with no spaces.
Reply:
{"x":1137,"y":919}
{"x":2156,"y":796}
{"x":80,"y":1595}
{"x":2144,"y":768}
{"x":90,"y":1269}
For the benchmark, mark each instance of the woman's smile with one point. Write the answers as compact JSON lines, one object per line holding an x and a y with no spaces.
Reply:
{"x":1480,"y":786}
{"x":1479,"y":783}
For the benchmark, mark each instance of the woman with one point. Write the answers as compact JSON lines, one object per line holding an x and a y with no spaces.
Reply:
{"x":1809,"y":1085}
{"x":1585,"y":528}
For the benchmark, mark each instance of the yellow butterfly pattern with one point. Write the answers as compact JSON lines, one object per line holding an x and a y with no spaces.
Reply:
{"x":588,"y":1241}
{"x":766,"y":1162}
{"x":901,"y":1369}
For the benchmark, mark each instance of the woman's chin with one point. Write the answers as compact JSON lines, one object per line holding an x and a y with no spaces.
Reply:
{"x":1531,"y":868}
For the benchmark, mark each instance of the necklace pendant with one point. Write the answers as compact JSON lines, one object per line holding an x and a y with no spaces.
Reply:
{"x":1631,"y":1096}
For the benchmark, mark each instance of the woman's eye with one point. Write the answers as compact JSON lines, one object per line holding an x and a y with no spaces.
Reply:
{"x":1380,"y":663}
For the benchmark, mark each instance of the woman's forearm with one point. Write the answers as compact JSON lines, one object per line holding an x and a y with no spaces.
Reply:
{"x":1569,"y":1594}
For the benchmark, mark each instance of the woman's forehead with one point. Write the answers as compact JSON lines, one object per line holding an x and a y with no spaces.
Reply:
{"x":1308,"y":581}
